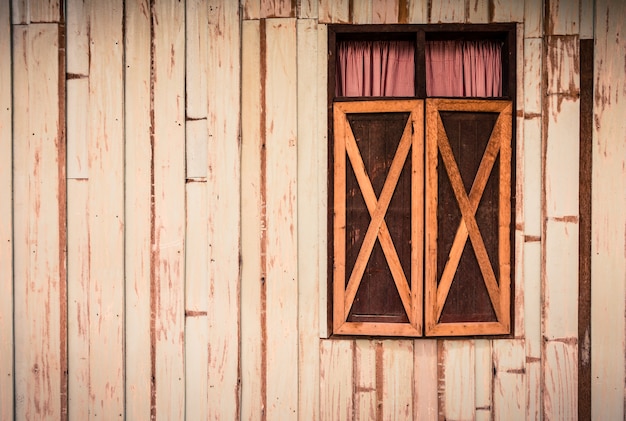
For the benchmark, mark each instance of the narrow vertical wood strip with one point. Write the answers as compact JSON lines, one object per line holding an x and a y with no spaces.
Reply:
{"x":533,"y":19}
{"x":282,"y":224}
{"x":309,"y":232}
{"x":562,"y":17}
{"x":137,"y":209}
{"x":20,"y":14}
{"x":277,"y":8}
{"x":39,"y":259}
{"x":6,"y":218}
{"x":106,"y":209}
{"x":509,"y":383}
{"x":425,"y":377}
{"x":196,"y":366}
{"x":223,"y":264}
{"x":44,"y":11}
{"x":447,"y":11}
{"x":397,"y":381}
{"x":334,"y":11}
{"x":608,"y":217}
{"x":251,"y":223}
{"x":336,"y":380}
{"x":77,"y":29}
{"x":584,"y":236}
{"x":459,"y":378}
{"x":364,"y":378}
{"x":484,"y":379}
{"x":77,"y":122}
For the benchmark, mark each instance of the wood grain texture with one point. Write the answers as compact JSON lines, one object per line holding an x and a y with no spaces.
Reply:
{"x":364,"y":375}
{"x":6,"y":217}
{"x":533,"y":18}
{"x":336,"y":380}
{"x":277,"y":8}
{"x":385,"y":11}
{"x":507,"y":10}
{"x":361,"y":12}
{"x":307,"y":9}
{"x":560,"y":398}
{"x":477,"y":11}
{"x":168,"y":110}
{"x":137,"y":206}
{"x":586,"y":24}
{"x":196,"y":366}
{"x":39,"y":259}
{"x":446,"y":11}
{"x":77,"y":92}
{"x":484,"y":378}
{"x":397,"y":379}
{"x":334,"y":11}
{"x":608,"y":243}
{"x":459,"y":380}
{"x":418,"y":12}
{"x":224,"y":206}
{"x":425,"y":382}
{"x":77,"y":39}
{"x":309,"y":231}
{"x":36,"y":11}
{"x":282,"y":226}
{"x":562,"y":17}
{"x":251,"y":224}
{"x":106,"y":209}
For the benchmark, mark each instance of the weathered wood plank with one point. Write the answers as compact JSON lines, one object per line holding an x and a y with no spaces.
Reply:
{"x":106,"y":209}
{"x":196,"y":245}
{"x":385,"y":11}
{"x":77,"y":39}
{"x":78,"y":297}
{"x":334,"y":11}
{"x":532,"y":71}
{"x":532,"y":297}
{"x":560,"y":391}
{"x":361,"y":12}
{"x":608,"y":215}
{"x":224,"y":206}
{"x":562,"y":17}
{"x":196,"y":145}
{"x":36,"y":11}
{"x":196,"y":59}
{"x":169,"y":208}
{"x":39,"y":231}
{"x":277,"y":8}
{"x":365,"y":380}
{"x":586,"y":19}
{"x":336,"y":371}
{"x":19,"y":12}
{"x":308,"y":233}
{"x":446,"y":11}
{"x":137,"y":170}
{"x":251,"y":224}
{"x":307,"y":9}
{"x":459,"y":380}
{"x":77,"y":125}
{"x":418,"y":11}
{"x":251,"y":9}
{"x":6,"y":218}
{"x":425,"y":379}
{"x":533,"y":18}
{"x":477,"y":11}
{"x":532,"y":178}
{"x":281,"y":187}
{"x":484,"y":378}
{"x":397,"y":379}
{"x":534,"y":393}
{"x":507,"y":10}
{"x":509,"y":383}
{"x":196,"y":366}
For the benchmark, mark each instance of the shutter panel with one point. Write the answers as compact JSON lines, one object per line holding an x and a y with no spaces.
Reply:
{"x":378,"y":217}
{"x":468,"y":188}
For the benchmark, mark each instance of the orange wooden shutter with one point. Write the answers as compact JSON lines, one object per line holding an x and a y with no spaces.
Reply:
{"x":378,"y":217}
{"x":468,"y":215}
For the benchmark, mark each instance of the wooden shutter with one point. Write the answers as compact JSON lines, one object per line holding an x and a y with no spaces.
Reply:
{"x":378,"y":217}
{"x":468,"y":195}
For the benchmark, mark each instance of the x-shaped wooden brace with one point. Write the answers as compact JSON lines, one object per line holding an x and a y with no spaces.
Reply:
{"x":468,"y":226}
{"x":377,"y":208}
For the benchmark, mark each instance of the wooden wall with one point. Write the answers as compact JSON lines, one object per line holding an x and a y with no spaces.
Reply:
{"x":163,"y":218}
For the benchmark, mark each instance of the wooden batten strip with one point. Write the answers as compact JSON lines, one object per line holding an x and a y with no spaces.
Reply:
{"x":308,"y":208}
{"x":39,"y":230}
{"x":138,"y":209}
{"x":252,"y":405}
{"x":168,"y":85}
{"x":6,"y":218}
{"x":336,"y":379}
{"x":105,"y":205}
{"x":282,"y":224}
{"x":223,"y":264}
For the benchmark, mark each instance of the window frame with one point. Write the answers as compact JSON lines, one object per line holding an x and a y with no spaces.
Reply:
{"x":421,"y":33}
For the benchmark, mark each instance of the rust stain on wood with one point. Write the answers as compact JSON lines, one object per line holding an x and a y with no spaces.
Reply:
{"x":263,"y":199}
{"x":403,"y":11}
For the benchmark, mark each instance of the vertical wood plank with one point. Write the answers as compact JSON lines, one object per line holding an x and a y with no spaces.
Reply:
{"x":78,"y":295}
{"x":282,"y":282}
{"x":586,"y":19}
{"x":418,"y":11}
{"x":251,"y":225}
{"x":106,"y":210}
{"x":425,"y":379}
{"x":77,"y":124}
{"x":336,"y":398}
{"x":459,"y":378}
{"x":334,"y":11}
{"x":308,"y":208}
{"x":169,"y":207}
{"x":477,"y":11}
{"x":307,"y":9}
{"x":137,"y":208}
{"x":483,"y":370}
{"x":533,"y":18}
{"x":509,"y":383}
{"x":38,"y":211}
{"x":534,"y":392}
{"x":507,"y":10}
{"x":196,"y":366}
{"x":277,"y":8}
{"x":77,"y":40}
{"x":20,"y":14}
{"x":361,"y":12}
{"x":385,"y":11}
{"x":44,"y":11}
{"x":397,"y":381}
{"x":560,"y":383}
{"x":196,"y":145}
{"x":6,"y":218}
{"x":562,"y":17}
{"x":608,"y":215}
{"x":224,"y":207}
{"x":364,"y":375}
{"x":251,"y":9}
{"x":446,"y":11}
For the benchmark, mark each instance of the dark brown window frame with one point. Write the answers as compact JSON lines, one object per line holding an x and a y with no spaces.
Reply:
{"x":420,"y":33}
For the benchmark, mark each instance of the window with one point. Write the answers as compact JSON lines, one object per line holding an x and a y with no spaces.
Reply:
{"x":421,"y":179}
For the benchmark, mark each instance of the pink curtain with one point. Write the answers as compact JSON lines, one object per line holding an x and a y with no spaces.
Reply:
{"x":466,"y":68}
{"x":375,"y":68}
